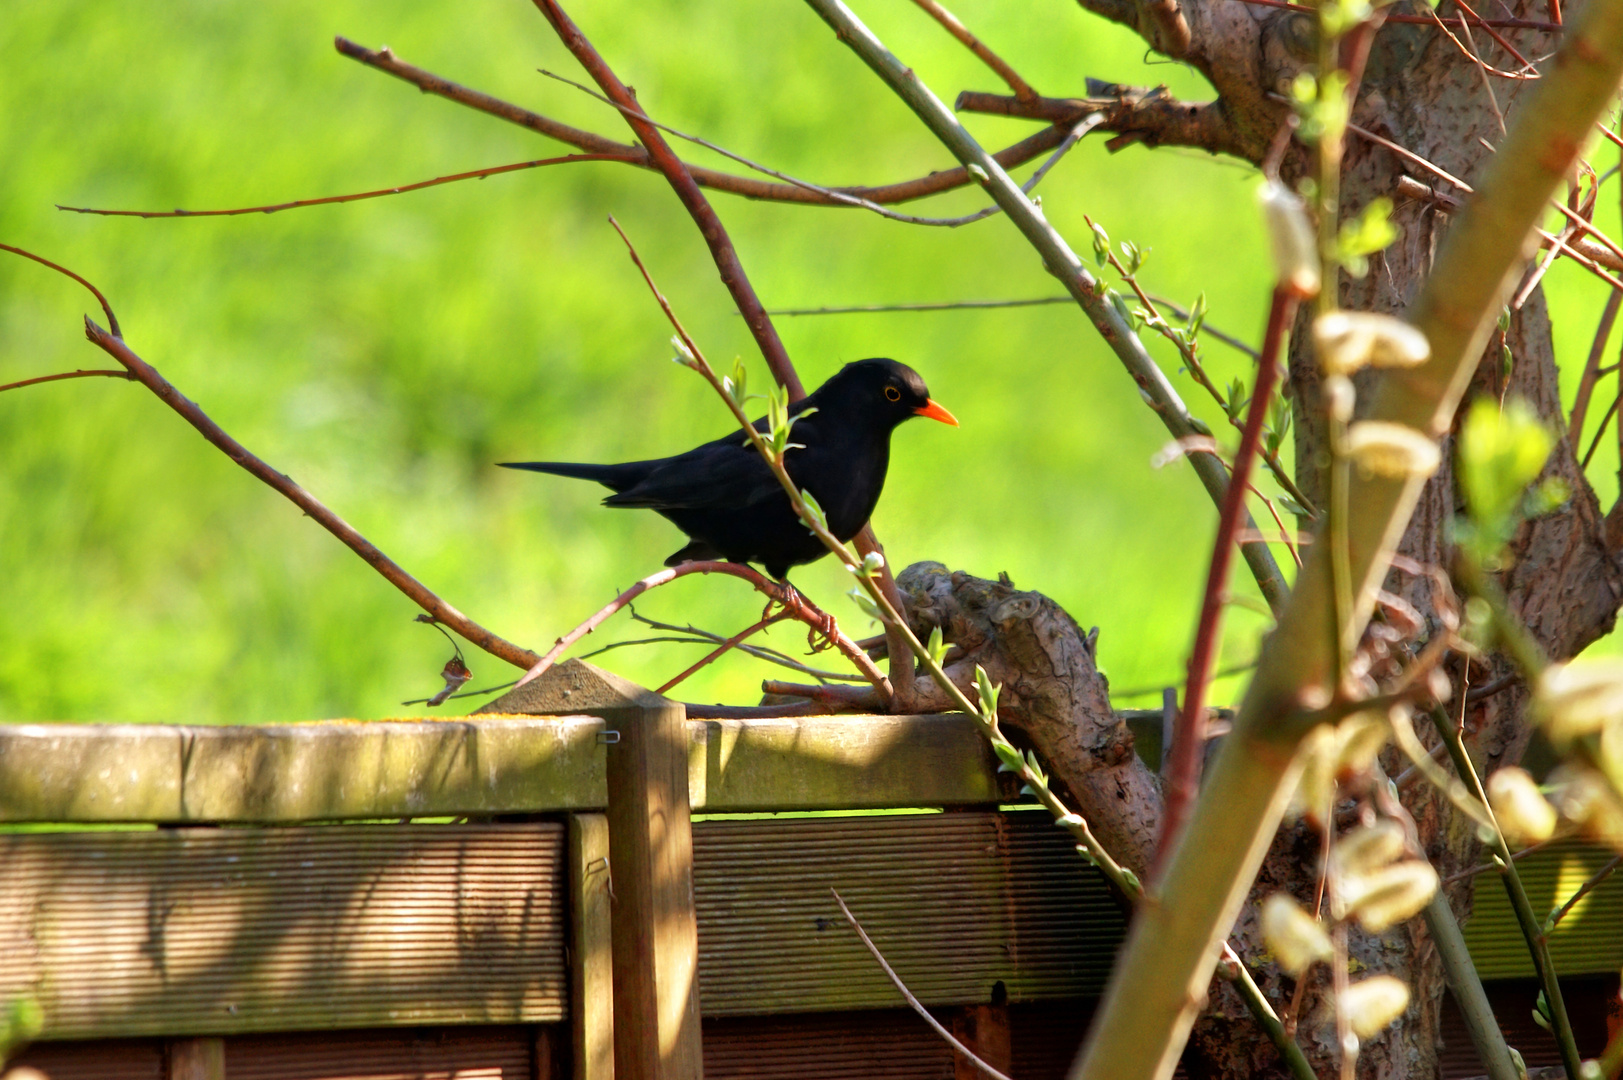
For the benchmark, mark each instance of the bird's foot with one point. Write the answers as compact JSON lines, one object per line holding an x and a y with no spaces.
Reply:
{"x":823,"y":630}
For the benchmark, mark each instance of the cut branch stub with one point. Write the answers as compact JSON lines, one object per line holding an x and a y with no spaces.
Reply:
{"x":1053,"y":694}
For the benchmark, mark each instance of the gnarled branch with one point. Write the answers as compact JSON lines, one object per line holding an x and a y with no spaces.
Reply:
{"x":1137,"y":114}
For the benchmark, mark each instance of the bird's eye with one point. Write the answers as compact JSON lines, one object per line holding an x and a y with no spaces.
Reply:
{"x":893,"y":394}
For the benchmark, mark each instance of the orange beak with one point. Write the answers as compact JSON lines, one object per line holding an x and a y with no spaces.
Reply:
{"x":936,"y":412}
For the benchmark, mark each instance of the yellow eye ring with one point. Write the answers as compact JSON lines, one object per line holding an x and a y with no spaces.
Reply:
{"x":893,"y":394}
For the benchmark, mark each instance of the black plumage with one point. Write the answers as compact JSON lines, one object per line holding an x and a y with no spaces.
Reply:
{"x":723,"y":495}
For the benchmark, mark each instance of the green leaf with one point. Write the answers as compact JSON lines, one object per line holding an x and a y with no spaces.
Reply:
{"x":1501,"y":451}
{"x":813,"y":509}
{"x":988,"y":693}
{"x":868,"y":607}
{"x":737,"y":383}
{"x":1101,"y":244}
{"x":937,"y":647}
{"x":1008,"y":755}
{"x":1372,"y":231}
{"x":1132,"y":256}
{"x":1118,"y":302}
{"x":1545,"y":497}
{"x":1197,"y":314}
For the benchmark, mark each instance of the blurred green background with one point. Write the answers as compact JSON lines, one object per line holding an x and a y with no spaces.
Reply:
{"x":386,"y":353}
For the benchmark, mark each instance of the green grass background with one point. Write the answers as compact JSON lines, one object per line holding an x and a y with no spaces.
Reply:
{"x":385,"y":354}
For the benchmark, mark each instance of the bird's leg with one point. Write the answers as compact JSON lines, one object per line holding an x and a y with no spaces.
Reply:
{"x":821,"y":623}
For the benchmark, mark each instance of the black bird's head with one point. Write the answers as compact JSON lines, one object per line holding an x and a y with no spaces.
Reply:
{"x":885,"y":390}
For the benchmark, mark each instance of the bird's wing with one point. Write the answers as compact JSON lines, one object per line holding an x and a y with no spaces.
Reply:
{"x":727,"y":473}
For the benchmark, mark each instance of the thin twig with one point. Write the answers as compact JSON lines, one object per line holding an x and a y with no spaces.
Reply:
{"x":472,"y":174}
{"x":1190,"y":352}
{"x":1206,"y":327}
{"x":949,"y":21}
{"x":1611,"y":411}
{"x":392,"y":572}
{"x":795,"y":606}
{"x":1550,"y":240}
{"x":687,"y":190}
{"x":698,"y":636}
{"x":913,"y":1002}
{"x":1591,"y":373}
{"x":1483,"y":67}
{"x":921,"y":187}
{"x":356,"y":197}
{"x":731,"y":643}
{"x":1188,"y":743}
{"x":1584,"y":890}
{"x":1498,"y":38}
{"x":1081,"y":128}
{"x":107,"y":309}
{"x":1423,"y":20}
{"x":82,"y":373}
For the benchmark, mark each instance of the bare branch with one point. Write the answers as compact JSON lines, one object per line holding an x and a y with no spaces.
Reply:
{"x":1135,"y":114}
{"x":80,"y":374}
{"x":419,"y":593}
{"x":949,"y":21}
{"x":1189,"y":740}
{"x":731,"y":643}
{"x":472,"y":174}
{"x":888,"y":194}
{"x":107,"y":309}
{"x":687,"y":190}
{"x":834,"y":195}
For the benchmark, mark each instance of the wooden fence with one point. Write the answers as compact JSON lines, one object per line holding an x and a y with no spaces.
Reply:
{"x":511,"y":896}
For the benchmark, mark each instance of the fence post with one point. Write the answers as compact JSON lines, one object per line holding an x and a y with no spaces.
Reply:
{"x":656,"y":937}
{"x":591,"y":969}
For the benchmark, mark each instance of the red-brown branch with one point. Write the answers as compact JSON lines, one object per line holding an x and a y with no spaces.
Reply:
{"x":472,"y":174}
{"x":419,"y":593}
{"x":1189,"y":738}
{"x":80,"y":374}
{"x":107,"y":309}
{"x":795,"y":606}
{"x":726,"y":646}
{"x":983,"y":53}
{"x":687,"y":190}
{"x":749,"y":187}
{"x":1137,"y":114}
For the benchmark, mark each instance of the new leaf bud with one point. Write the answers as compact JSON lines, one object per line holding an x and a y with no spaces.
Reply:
{"x":1525,"y":815}
{"x":1296,"y":939}
{"x":1371,"y":1004}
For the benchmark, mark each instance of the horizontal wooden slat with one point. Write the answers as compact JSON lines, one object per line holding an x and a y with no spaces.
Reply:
{"x":360,"y":770}
{"x":299,"y":772}
{"x":957,"y":902}
{"x":837,"y":762}
{"x":212,"y":931}
{"x":1589,"y":940}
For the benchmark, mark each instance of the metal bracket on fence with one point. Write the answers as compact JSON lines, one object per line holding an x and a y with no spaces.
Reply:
{"x":609,"y":737}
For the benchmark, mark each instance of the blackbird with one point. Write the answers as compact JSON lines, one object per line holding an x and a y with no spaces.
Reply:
{"x":724,"y":496}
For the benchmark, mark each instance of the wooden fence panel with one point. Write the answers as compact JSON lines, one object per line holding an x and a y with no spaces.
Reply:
{"x":206,"y":931}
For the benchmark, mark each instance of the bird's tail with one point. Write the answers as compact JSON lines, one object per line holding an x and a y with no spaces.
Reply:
{"x":613,"y":477}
